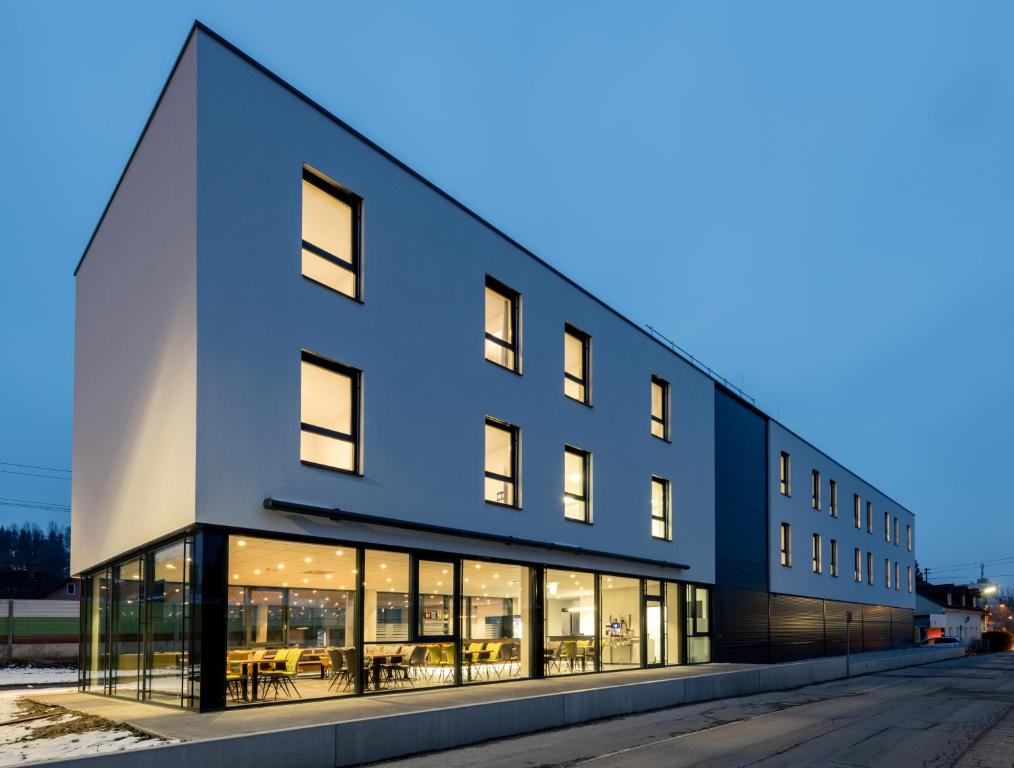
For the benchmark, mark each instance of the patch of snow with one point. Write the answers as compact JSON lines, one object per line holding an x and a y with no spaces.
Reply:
{"x":36,"y":675}
{"x":72,"y":745}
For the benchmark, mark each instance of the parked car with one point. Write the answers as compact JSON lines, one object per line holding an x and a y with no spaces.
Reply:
{"x":943,"y":641}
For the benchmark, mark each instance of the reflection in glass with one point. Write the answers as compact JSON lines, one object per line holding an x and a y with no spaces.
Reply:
{"x":672,"y":624}
{"x":168,"y":600}
{"x":125,"y":664}
{"x":570,"y":622}
{"x":435,"y":610}
{"x":698,"y":624}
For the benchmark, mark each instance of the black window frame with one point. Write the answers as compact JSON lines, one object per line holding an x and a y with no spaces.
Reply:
{"x":354,"y":438}
{"x":585,"y":457}
{"x":816,"y":554}
{"x":355,"y":203}
{"x":857,"y":511}
{"x":832,"y":497}
{"x":785,"y":473}
{"x":514,"y":432}
{"x":857,"y":565}
{"x":666,"y":508}
{"x":785,"y":544}
{"x":815,"y":500}
{"x":515,"y":325}
{"x":585,"y":339}
{"x":664,"y":420}
{"x":832,"y":554}
{"x":870,"y":576}
{"x":869,"y":517}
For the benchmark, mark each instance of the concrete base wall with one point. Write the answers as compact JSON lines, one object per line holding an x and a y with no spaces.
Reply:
{"x":378,"y":738}
{"x":42,"y":653}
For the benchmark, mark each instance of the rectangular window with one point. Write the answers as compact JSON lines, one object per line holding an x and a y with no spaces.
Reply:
{"x":660,"y":408}
{"x":576,"y":346}
{"x":858,"y":565}
{"x":895,"y":531}
{"x":869,"y":517}
{"x":833,"y":498}
{"x":661,"y":514}
{"x":815,"y":489}
{"x":786,"y":544}
{"x":908,"y":537}
{"x":330,"y":235}
{"x":869,"y":568}
{"x":329,"y":414}
{"x":576,"y":484}
{"x":817,"y":565}
{"x":887,"y":572}
{"x":501,"y":463}
{"x":834,"y":557}
{"x":897,"y":577}
{"x":784,"y":473}
{"x":502,"y":325}
{"x":887,"y":527}
{"x":908,"y":577}
{"x":857,"y":511}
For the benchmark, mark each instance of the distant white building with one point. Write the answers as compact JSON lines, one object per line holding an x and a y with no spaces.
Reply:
{"x":946,"y":610}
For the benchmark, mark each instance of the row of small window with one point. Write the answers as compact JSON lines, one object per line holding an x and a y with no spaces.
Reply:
{"x":817,"y":560}
{"x":329,"y":437}
{"x":332,"y":257}
{"x":785,"y":484}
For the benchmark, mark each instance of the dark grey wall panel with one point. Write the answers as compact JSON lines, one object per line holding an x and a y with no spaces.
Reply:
{"x":835,"y":620}
{"x":876,"y":627}
{"x":902,"y":627}
{"x":797,"y":627}
{"x":742,"y":634}
{"x":741,"y":517}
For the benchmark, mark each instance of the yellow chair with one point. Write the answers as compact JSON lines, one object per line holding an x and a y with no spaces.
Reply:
{"x":283,"y":677}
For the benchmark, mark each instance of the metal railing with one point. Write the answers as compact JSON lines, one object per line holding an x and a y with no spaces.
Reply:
{"x":701,"y":366}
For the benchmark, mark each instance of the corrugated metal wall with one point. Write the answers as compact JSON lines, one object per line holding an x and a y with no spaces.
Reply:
{"x":876,"y":627}
{"x":902,"y":627}
{"x":741,"y":636}
{"x":797,"y":627}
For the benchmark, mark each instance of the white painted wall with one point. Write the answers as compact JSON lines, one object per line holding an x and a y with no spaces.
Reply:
{"x":796,"y":510}
{"x":135,"y":379}
{"x":418,"y":337}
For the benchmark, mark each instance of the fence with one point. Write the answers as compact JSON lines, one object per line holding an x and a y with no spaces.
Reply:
{"x":39,"y":631}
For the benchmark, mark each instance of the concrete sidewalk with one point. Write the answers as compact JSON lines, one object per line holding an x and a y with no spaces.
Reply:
{"x":356,"y":730}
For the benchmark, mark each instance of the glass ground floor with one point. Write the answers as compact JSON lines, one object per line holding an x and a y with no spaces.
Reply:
{"x":214,"y":619}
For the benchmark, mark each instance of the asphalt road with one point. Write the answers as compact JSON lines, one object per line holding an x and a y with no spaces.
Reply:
{"x":952,"y":713}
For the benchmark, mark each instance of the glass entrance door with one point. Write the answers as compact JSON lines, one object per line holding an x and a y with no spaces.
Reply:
{"x":653,"y":631}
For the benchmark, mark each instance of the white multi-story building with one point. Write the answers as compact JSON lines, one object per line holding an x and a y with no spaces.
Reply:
{"x":334,"y":433}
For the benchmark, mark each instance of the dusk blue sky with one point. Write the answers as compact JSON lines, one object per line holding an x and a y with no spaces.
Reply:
{"x":816,"y":199}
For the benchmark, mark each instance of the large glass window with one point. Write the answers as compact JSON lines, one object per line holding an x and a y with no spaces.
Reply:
{"x":126,"y":662}
{"x":660,"y":408}
{"x":435,"y":606}
{"x":654,"y":623}
{"x":620,"y":612}
{"x":168,"y":601}
{"x":501,"y":463}
{"x":661,"y":514}
{"x":575,"y":364}
{"x":290,"y":620}
{"x":329,"y":414}
{"x":576,"y":484}
{"x":330,"y":236}
{"x":495,"y":621}
{"x":95,"y":617}
{"x":502,"y":325}
{"x":570,"y":622}
{"x":698,"y":615}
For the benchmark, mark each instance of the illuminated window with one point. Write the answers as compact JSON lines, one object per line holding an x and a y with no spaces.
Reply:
{"x":908,"y":537}
{"x":908,"y":577}
{"x":576,"y":472}
{"x":784,"y":473}
{"x":329,"y":414}
{"x":501,"y":463}
{"x":330,"y":235}
{"x":869,"y":568}
{"x":502,"y":325}
{"x":887,"y":572}
{"x":834,"y":557}
{"x":897,"y":578}
{"x":660,"y":509}
{"x":660,"y":408}
{"x":857,"y":573}
{"x":833,"y":498}
{"x":887,"y":527}
{"x":817,"y":563}
{"x":895,"y":531}
{"x":857,"y":511}
{"x":575,"y":364}
{"x":869,"y":517}
{"x":815,"y":489}
{"x":786,"y":544}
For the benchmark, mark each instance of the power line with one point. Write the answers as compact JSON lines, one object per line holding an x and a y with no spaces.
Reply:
{"x":34,"y":503}
{"x":975,"y":564}
{"x":33,"y":474}
{"x":33,"y":466}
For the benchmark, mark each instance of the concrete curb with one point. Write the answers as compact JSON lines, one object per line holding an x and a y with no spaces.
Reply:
{"x":354,"y":742}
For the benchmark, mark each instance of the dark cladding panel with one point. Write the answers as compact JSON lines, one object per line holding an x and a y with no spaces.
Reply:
{"x":741,"y":518}
{"x":835,"y":620}
{"x":902,"y":627}
{"x":876,"y":627}
{"x":742,"y":634}
{"x":797,"y":627}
